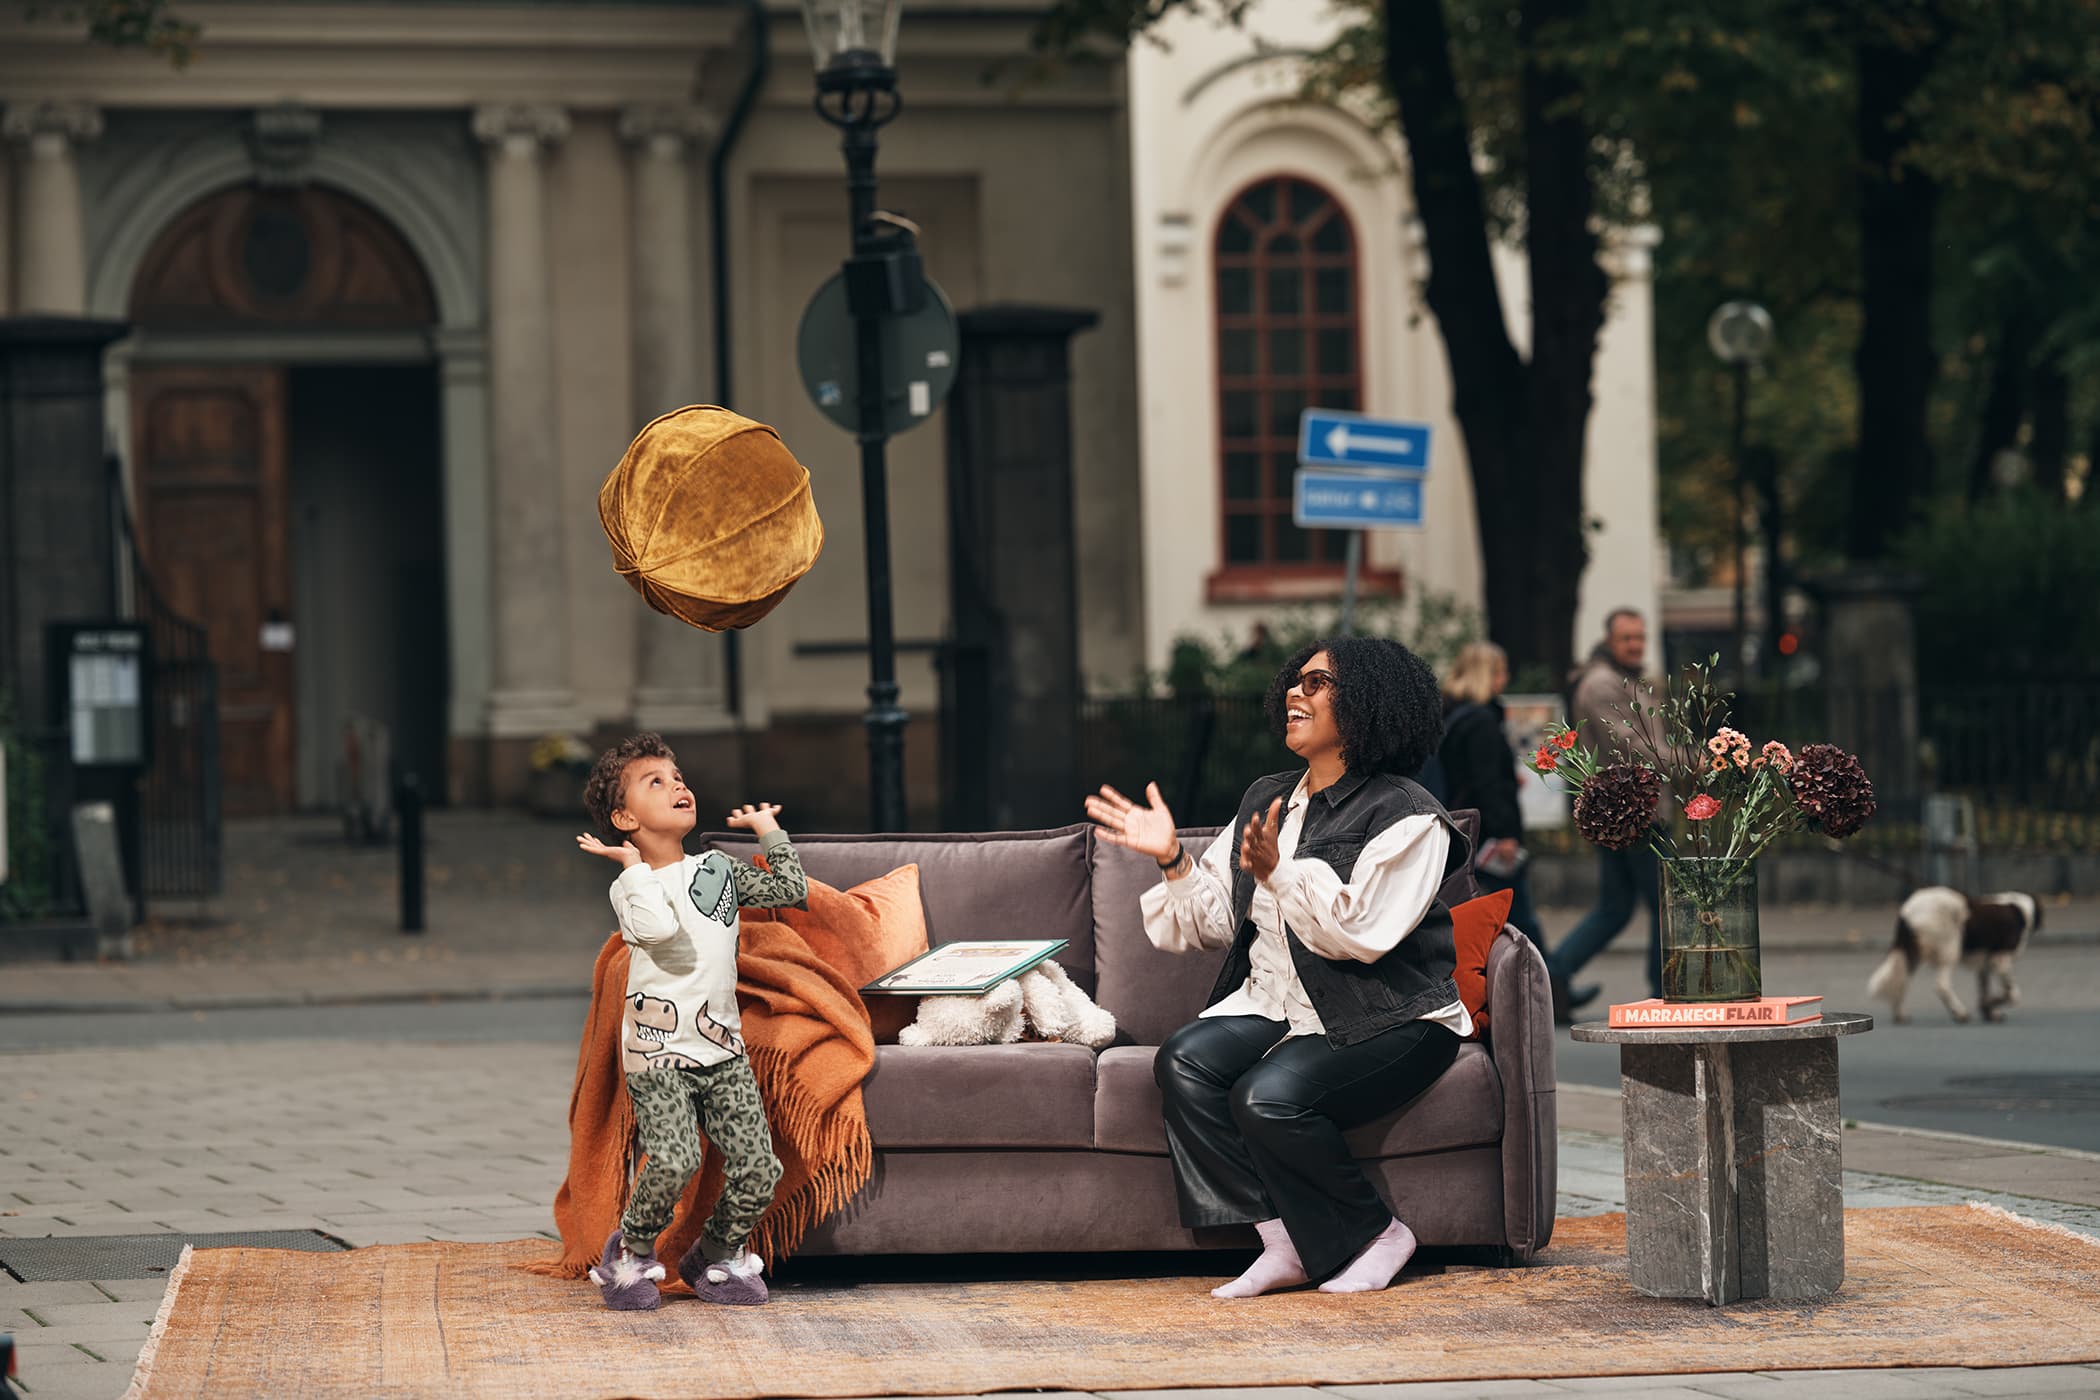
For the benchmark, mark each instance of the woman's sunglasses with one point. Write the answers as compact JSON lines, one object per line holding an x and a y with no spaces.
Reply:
{"x":1311,"y":683}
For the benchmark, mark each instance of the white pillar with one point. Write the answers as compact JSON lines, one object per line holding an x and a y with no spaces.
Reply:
{"x":463,"y":380}
{"x":530,"y":692}
{"x":50,"y":254}
{"x":680,"y":675}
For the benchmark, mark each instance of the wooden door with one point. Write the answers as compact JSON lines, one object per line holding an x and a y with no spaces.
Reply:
{"x":209,"y":468}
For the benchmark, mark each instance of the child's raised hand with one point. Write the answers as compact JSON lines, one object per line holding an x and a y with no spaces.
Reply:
{"x":625,"y":853}
{"x":757,"y":818}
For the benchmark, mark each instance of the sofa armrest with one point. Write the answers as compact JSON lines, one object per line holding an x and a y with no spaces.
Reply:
{"x":1522,"y":1040}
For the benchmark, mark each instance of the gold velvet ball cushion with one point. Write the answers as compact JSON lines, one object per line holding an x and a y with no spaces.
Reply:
{"x":710,"y":517}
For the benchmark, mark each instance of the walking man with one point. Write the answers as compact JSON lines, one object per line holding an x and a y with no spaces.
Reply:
{"x":1602,"y":689}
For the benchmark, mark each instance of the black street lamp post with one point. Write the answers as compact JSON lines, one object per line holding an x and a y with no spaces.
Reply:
{"x":1740,"y":334}
{"x":854,"y":44}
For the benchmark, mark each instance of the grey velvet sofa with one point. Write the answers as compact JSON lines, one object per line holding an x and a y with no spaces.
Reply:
{"x":1047,"y":1147}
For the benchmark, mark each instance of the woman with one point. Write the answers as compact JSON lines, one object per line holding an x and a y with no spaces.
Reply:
{"x":1336,"y":1004}
{"x":1481,"y":772}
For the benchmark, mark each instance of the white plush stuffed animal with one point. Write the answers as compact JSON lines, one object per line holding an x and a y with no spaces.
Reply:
{"x":1042,"y":997}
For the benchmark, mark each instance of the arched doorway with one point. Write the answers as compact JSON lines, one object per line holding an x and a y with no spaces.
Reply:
{"x":287,"y":477}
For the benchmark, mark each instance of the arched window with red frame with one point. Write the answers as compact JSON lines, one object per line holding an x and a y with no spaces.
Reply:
{"x":1288,"y":339}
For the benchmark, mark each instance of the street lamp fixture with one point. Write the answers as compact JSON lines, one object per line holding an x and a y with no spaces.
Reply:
{"x":853,"y":36}
{"x":1740,"y":334}
{"x":854,"y":46}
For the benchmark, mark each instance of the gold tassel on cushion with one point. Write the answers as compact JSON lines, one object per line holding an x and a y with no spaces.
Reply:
{"x":710,"y":517}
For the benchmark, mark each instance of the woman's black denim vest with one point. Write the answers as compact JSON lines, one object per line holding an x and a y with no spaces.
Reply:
{"x":1356,"y":1000}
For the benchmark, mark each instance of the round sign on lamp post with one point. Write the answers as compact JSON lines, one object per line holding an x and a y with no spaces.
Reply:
{"x":1740,"y":334}
{"x":919,"y":350}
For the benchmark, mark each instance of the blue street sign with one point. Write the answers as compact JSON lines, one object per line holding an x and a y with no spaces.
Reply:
{"x":1330,"y":438}
{"x":1355,"y":500}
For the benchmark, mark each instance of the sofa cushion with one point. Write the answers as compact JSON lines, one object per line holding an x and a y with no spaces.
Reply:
{"x":1462,"y":1109}
{"x":1150,"y":993}
{"x":999,"y":884}
{"x":864,"y":932}
{"x":1474,"y":925}
{"x":922,"y":1096}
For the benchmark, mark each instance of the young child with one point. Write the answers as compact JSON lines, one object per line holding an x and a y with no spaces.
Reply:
{"x":682,"y":1044}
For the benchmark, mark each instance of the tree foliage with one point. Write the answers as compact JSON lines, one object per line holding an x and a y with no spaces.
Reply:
{"x":1912,"y":187}
{"x":152,"y":25}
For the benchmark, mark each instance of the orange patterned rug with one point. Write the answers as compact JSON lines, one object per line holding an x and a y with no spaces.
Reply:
{"x":1925,"y":1286}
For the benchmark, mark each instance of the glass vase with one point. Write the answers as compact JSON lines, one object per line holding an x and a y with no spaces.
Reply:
{"x":1709,"y":930}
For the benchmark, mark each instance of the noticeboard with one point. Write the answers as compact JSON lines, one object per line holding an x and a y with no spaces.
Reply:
{"x":99,"y":677}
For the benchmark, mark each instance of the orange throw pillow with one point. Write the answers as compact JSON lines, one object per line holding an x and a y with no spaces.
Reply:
{"x":1474,"y":925}
{"x":864,"y":932}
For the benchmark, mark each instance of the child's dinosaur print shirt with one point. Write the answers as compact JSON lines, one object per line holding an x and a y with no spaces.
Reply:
{"x":680,"y":921}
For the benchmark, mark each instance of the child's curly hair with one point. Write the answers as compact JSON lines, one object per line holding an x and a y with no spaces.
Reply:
{"x":601,"y":791}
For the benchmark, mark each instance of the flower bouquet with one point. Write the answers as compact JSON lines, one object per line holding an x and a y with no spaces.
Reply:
{"x":1735,"y":799}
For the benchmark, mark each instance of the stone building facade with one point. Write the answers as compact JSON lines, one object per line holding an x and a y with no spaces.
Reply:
{"x":405,"y":278}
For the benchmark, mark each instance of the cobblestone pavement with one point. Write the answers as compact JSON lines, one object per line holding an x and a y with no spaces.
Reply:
{"x":379,"y":1142}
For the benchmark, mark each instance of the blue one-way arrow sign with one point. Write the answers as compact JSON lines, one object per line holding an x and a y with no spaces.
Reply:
{"x":1330,"y":438}
{"x":1355,"y":500}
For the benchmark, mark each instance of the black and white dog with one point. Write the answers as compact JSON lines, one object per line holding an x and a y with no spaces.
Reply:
{"x":1944,"y":928}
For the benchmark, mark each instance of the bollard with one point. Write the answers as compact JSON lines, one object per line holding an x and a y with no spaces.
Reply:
{"x":408,"y":813}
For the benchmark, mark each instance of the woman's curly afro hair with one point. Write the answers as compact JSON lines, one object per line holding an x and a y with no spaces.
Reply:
{"x":1387,"y":706}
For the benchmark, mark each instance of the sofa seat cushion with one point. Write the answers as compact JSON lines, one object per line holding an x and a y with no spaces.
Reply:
{"x":1035,"y":1094}
{"x":1462,"y":1109}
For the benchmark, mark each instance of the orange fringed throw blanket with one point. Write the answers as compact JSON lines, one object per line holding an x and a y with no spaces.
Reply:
{"x":806,"y":1031}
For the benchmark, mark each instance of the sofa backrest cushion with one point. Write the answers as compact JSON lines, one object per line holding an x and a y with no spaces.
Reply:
{"x":1150,"y":993}
{"x":998,"y":884}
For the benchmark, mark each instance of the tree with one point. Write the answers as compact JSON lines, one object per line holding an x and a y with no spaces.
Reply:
{"x":1524,"y":421}
{"x":1898,"y":46}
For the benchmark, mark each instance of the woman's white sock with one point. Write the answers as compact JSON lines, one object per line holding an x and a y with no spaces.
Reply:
{"x":1278,"y":1266}
{"x":1377,"y":1263}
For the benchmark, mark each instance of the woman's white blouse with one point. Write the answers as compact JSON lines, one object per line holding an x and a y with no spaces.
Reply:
{"x":1394,"y":883}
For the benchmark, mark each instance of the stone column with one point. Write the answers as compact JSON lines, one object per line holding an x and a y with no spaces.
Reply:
{"x":50,"y":253}
{"x":530,"y":691}
{"x":679,"y":671}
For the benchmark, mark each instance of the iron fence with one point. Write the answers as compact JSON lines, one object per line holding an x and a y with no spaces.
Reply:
{"x":2034,"y":747}
{"x":179,"y":793}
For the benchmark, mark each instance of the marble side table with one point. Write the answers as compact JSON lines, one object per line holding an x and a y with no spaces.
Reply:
{"x":1733,"y":1158}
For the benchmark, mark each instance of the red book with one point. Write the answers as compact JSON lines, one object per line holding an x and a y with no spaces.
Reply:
{"x":1657,"y":1014}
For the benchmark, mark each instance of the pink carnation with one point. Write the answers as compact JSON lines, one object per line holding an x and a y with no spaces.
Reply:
{"x":1701,"y":807}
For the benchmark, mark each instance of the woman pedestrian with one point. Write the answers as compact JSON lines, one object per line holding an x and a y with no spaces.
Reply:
{"x":1336,"y":1003}
{"x":1480,"y":771}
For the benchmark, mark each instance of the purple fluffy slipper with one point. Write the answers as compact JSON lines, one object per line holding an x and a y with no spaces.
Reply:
{"x":626,"y":1280}
{"x":735,"y":1283}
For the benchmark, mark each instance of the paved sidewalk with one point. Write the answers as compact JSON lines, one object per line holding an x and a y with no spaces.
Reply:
{"x":380,"y":1142}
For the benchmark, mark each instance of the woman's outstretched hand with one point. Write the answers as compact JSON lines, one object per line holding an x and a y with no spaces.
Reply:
{"x":1148,"y":830}
{"x":1258,"y":853}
